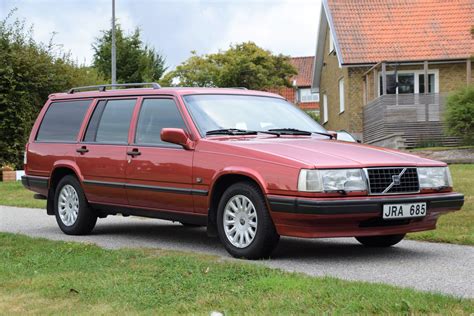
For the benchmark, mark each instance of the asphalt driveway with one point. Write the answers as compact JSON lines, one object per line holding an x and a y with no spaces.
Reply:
{"x":444,"y":268}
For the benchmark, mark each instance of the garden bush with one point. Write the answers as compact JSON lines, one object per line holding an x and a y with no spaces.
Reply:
{"x":460,"y":114}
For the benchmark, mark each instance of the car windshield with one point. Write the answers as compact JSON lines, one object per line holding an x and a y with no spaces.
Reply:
{"x":248,"y":113}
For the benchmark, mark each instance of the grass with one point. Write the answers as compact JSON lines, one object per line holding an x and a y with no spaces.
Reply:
{"x":441,"y":148}
{"x":14,"y":194}
{"x":39,"y":276}
{"x":457,"y":227}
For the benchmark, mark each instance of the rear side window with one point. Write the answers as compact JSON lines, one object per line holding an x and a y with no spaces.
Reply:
{"x":110,"y":122}
{"x":62,"y":121}
{"x":156,"y":114}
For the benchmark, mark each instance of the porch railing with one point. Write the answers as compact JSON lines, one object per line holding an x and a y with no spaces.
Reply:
{"x":417,"y":117}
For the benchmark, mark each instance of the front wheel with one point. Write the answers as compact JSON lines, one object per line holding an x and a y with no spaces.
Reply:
{"x":244,"y":224}
{"x":381,"y":241}
{"x":73,"y":214}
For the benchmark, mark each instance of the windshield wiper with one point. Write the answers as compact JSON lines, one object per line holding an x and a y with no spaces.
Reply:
{"x":294,"y":131}
{"x":230,"y":131}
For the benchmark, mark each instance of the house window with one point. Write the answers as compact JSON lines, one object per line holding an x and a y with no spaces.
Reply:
{"x":431,"y":83}
{"x":410,"y":81}
{"x":341,"y":96}
{"x":331,"y":42}
{"x":325,"y":108}
{"x":306,"y":95}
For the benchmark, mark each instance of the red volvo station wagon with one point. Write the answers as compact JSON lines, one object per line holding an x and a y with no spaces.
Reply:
{"x":247,"y":164}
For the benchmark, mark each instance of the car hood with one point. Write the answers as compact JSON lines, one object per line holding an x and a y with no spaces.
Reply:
{"x":324,"y":153}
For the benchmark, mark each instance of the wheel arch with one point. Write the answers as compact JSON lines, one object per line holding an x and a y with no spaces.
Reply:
{"x":59,"y":171}
{"x":224,"y":180}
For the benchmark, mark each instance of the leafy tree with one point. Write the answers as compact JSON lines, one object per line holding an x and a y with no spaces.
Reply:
{"x":29,"y":72}
{"x":136,"y":62}
{"x":242,"y":65}
{"x":460,"y":114}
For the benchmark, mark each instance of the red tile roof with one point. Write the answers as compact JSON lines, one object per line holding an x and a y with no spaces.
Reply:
{"x":304,"y":66}
{"x":369,"y":31}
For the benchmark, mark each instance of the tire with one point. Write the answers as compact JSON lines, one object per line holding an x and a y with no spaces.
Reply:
{"x":73,"y":214}
{"x":256,"y":219}
{"x":380,"y":241}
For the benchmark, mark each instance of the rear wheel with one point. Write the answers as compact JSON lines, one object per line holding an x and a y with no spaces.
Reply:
{"x":244,"y":223}
{"x":381,"y":241}
{"x":73,"y":214}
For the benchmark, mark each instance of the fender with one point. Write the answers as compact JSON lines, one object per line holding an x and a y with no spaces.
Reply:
{"x":238,"y":170}
{"x":67,"y":164}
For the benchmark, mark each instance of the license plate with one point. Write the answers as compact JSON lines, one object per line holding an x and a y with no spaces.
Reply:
{"x":408,"y":210}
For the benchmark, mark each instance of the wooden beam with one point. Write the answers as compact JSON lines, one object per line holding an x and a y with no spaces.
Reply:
{"x":384,"y":78}
{"x":468,"y":72}
{"x":376,"y":80}
{"x":426,"y":81}
{"x":367,"y":89}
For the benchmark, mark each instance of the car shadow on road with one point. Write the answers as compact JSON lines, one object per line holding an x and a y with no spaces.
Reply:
{"x":171,"y":235}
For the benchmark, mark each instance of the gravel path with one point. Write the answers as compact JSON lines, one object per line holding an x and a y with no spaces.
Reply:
{"x":444,"y":268}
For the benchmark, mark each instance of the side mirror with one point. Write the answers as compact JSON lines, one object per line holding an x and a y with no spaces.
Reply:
{"x":176,"y":136}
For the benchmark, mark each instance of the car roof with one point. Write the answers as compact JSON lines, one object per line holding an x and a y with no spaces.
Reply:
{"x":173,"y":91}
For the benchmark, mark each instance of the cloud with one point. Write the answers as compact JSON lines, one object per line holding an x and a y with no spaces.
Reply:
{"x":175,"y":28}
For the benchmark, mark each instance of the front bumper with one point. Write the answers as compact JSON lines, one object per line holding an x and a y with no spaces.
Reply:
{"x":355,"y":216}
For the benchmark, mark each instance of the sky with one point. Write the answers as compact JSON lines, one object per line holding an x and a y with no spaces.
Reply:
{"x":175,"y":28}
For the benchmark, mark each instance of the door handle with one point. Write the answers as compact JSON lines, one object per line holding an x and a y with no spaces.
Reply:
{"x":82,"y":150}
{"x":134,"y":152}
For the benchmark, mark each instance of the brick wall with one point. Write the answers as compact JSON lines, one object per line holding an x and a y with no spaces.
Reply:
{"x":290,"y":95}
{"x":451,"y":77}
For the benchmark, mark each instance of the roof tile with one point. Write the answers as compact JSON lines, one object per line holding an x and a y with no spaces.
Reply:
{"x":370,"y":31}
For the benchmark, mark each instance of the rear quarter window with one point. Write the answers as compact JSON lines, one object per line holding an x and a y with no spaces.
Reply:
{"x":62,"y":121}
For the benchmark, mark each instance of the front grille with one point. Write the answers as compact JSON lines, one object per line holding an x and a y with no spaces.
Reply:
{"x":381,"y":181}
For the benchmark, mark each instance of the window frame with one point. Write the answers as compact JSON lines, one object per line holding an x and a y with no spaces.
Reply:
{"x":89,"y":118}
{"x":325,"y":109}
{"x":416,"y":83}
{"x":91,"y":104}
{"x":342,"y":99}
{"x":136,"y":120}
{"x":332,"y":46}
{"x":300,"y":99}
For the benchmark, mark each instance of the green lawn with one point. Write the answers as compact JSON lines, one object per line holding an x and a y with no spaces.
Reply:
{"x":441,"y":148}
{"x":456,"y":227}
{"x":14,"y":194}
{"x":39,"y":276}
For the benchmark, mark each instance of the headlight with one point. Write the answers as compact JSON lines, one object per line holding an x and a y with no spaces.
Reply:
{"x":327,"y":180}
{"x":434,"y":178}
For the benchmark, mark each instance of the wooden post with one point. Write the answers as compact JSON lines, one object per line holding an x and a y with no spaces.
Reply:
{"x":384,"y":78}
{"x":376,"y":82}
{"x":366,"y":89}
{"x":426,"y":83}
{"x":468,"y":71}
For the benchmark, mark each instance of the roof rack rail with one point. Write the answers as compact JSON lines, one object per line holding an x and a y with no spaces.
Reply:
{"x":103,"y":87}
{"x":241,"y":88}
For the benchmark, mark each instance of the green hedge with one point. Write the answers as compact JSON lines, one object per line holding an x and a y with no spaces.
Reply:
{"x":460,"y":114}
{"x":29,"y":72}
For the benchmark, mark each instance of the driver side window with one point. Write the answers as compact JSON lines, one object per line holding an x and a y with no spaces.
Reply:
{"x":156,"y":114}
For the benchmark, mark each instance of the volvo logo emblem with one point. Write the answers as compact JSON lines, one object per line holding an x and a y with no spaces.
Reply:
{"x":396,"y":179}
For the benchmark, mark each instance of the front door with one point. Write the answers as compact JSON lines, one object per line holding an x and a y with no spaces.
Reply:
{"x":101,"y":156}
{"x":159,"y":174}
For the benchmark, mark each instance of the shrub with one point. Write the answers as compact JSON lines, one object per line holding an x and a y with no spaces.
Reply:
{"x":460,"y":114}
{"x":313,"y":115}
{"x":29,"y":72}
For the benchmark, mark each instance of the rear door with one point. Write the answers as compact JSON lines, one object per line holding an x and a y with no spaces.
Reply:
{"x":158,"y":173}
{"x":101,"y":155}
